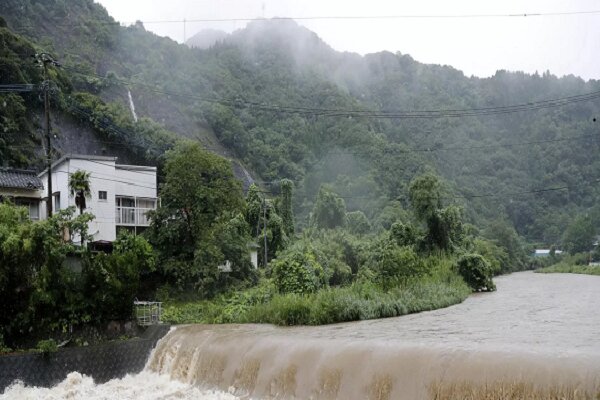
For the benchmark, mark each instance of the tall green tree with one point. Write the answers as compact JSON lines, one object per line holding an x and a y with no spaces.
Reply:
{"x":504,"y":235}
{"x":444,"y":225}
{"x":580,"y":234}
{"x":286,"y":212}
{"x":200,"y":197}
{"x":329,"y":211}
{"x":425,"y":193}
{"x":79,"y":185}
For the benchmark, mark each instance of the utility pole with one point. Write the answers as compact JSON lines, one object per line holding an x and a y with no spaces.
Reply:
{"x":265,"y":229}
{"x":44,"y":59}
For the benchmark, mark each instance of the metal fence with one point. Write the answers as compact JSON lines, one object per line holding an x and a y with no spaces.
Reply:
{"x":148,"y":312}
{"x":132,"y":216}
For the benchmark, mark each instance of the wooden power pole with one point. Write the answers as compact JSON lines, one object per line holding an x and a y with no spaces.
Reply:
{"x":44,"y":59}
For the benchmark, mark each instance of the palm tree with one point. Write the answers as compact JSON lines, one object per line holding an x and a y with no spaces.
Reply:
{"x":79,"y":183}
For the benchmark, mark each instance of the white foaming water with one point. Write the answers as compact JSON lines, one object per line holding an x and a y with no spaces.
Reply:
{"x":143,"y":386}
{"x":132,"y":106}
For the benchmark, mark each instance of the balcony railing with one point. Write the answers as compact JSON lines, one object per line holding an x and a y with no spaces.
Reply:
{"x":133,"y":216}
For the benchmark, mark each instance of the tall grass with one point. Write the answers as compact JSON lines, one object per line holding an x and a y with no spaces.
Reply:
{"x":571,"y":269}
{"x":360,"y":301}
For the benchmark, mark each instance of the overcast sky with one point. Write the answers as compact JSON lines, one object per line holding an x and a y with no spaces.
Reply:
{"x":566,"y":44}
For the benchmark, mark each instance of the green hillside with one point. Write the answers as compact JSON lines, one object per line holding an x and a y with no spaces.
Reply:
{"x":285,"y":105}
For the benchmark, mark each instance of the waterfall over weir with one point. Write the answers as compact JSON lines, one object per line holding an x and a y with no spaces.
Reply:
{"x":536,"y":338}
{"x":258,"y":362}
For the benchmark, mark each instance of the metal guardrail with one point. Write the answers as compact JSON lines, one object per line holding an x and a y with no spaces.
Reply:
{"x":148,"y":312}
{"x":136,"y":216}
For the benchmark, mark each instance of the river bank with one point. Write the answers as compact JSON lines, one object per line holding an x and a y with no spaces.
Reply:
{"x":570,"y":269}
{"x":361,"y":300}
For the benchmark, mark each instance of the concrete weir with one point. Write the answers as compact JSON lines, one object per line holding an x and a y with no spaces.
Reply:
{"x":101,"y":362}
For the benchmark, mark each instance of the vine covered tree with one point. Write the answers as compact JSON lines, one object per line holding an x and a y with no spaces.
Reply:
{"x":197,"y":228}
{"x":286,"y":212}
{"x":329,"y":211}
{"x":444,"y":225}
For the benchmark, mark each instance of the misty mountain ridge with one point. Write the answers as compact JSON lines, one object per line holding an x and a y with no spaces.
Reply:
{"x":206,"y":38}
{"x":370,"y":161}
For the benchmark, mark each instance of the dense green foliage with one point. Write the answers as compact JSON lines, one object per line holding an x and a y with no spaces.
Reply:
{"x":298,"y":271}
{"x":476,"y":271}
{"x":359,"y":301}
{"x":368,"y":162}
{"x":358,"y":223}
{"x":374,"y":217}
{"x":578,"y":263}
{"x":580,"y":234}
{"x":286,"y":211}
{"x":333,"y":275}
{"x":200,"y":223}
{"x":444,"y":228}
{"x":41,"y":294}
{"x":329,"y":211}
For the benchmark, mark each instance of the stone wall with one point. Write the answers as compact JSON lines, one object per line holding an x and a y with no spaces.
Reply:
{"x":102,"y":362}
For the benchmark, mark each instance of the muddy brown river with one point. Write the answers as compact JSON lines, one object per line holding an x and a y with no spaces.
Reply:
{"x":538,"y":335}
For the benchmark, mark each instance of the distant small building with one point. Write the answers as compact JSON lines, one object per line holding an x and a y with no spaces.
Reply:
{"x":23,"y":188}
{"x":545,"y":252}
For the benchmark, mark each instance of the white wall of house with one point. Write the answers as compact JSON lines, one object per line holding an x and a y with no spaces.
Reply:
{"x":106,"y":178}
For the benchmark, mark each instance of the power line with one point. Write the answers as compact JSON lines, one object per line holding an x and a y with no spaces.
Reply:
{"x":327,"y":17}
{"x":481,"y":147}
{"x":331,"y":112}
{"x":17,"y":88}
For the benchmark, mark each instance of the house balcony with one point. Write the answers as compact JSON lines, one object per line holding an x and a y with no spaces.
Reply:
{"x":133,"y":211}
{"x":133,"y":216}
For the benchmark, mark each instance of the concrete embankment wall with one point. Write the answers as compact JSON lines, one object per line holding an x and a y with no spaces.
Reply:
{"x":102,"y":362}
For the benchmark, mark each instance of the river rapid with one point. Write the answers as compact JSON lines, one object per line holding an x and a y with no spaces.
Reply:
{"x":537,"y":336}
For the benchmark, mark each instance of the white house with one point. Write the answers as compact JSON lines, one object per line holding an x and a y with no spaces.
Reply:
{"x":121,"y":194}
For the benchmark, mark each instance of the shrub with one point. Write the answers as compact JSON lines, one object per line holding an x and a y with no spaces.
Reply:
{"x":297,"y":271}
{"x":357,"y":223}
{"x":47,"y":347}
{"x":403,"y":235}
{"x":394,"y":264}
{"x":112,"y":280}
{"x":476,"y":272}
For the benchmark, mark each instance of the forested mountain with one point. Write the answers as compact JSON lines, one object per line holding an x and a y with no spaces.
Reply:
{"x":280,"y":101}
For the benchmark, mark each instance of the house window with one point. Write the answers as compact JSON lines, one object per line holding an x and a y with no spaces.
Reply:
{"x":34,"y":210}
{"x":102,"y":195}
{"x":56,"y":201}
{"x":125,"y":202}
{"x":32,"y":205}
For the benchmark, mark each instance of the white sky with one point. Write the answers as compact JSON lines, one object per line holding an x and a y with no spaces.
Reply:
{"x":478,"y":46}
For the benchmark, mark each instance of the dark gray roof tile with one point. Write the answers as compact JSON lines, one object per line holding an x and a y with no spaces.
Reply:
{"x":20,"y":179}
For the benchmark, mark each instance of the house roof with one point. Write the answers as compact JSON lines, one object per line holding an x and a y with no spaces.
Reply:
{"x":20,"y":179}
{"x":78,"y":157}
{"x":546,"y":251}
{"x":135,"y":167}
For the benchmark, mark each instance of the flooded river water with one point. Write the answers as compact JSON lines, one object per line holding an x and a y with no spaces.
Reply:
{"x":539,"y":334}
